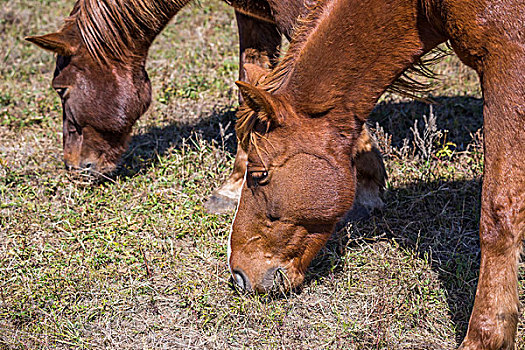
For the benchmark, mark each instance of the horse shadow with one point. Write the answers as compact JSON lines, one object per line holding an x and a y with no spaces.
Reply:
{"x":461,"y":116}
{"x":437,"y":219}
{"x":146,"y":149}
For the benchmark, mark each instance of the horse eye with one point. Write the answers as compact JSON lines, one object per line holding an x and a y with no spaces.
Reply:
{"x":259,"y":177}
{"x":73,"y":130}
{"x":62,"y":92}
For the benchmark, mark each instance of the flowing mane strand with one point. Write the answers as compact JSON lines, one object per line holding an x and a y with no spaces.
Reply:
{"x":113,"y":29}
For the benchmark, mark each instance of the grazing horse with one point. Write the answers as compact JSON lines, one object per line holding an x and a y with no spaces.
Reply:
{"x":101,"y":78}
{"x":300,"y":123}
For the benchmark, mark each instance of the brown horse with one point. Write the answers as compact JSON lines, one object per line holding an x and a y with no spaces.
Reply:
{"x":300,"y":125}
{"x":100,"y":76}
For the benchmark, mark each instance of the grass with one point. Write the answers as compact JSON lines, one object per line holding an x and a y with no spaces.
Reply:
{"x":134,"y":262}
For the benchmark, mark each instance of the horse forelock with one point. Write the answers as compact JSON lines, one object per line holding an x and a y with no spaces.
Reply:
{"x":112,"y":29}
{"x":245,"y":127}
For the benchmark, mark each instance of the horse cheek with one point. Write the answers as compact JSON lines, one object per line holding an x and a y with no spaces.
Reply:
{"x":313,"y":191}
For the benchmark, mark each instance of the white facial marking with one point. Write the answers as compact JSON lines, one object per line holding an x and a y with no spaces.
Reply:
{"x":231,"y":227}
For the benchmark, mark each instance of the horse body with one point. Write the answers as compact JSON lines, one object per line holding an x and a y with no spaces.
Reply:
{"x":301,"y":121}
{"x":101,"y":78}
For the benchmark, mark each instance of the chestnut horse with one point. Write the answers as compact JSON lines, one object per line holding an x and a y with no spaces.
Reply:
{"x":101,"y":78}
{"x":300,"y":124}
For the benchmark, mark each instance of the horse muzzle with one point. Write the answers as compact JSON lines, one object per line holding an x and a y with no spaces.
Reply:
{"x":275,"y":279}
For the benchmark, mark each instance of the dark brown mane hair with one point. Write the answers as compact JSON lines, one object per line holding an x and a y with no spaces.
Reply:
{"x":408,"y":84}
{"x":115,"y":29}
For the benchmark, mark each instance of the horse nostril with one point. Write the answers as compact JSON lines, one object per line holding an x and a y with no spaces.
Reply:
{"x":240,"y":280}
{"x":87,"y":166}
{"x":274,"y":279}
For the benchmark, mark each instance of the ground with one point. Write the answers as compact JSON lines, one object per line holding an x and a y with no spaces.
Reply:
{"x":134,"y":261}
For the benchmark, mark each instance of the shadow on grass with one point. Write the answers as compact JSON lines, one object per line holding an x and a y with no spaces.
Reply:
{"x":461,"y":116}
{"x":145,"y":149}
{"x":438,"y":221}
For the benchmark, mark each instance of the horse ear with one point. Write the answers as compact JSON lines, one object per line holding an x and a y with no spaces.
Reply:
{"x":259,"y":100}
{"x":57,"y":42}
{"x":254,"y":73}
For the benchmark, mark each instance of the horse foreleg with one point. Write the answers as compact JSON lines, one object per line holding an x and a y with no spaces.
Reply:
{"x":259,"y":44}
{"x":494,"y":318}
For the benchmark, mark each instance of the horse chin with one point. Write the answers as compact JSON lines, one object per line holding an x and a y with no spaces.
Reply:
{"x":292,"y":280}
{"x":290,"y":275}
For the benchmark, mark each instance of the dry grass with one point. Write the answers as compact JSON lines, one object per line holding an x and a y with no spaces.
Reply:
{"x":134,"y":262}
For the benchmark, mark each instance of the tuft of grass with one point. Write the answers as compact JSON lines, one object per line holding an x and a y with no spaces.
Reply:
{"x":134,"y":261}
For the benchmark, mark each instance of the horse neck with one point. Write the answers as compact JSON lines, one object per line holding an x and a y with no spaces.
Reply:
{"x":356,"y":49}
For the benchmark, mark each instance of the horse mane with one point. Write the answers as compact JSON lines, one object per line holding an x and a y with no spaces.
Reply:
{"x":247,"y":119}
{"x":304,"y":26}
{"x":407,"y":85}
{"x":110,"y":28}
